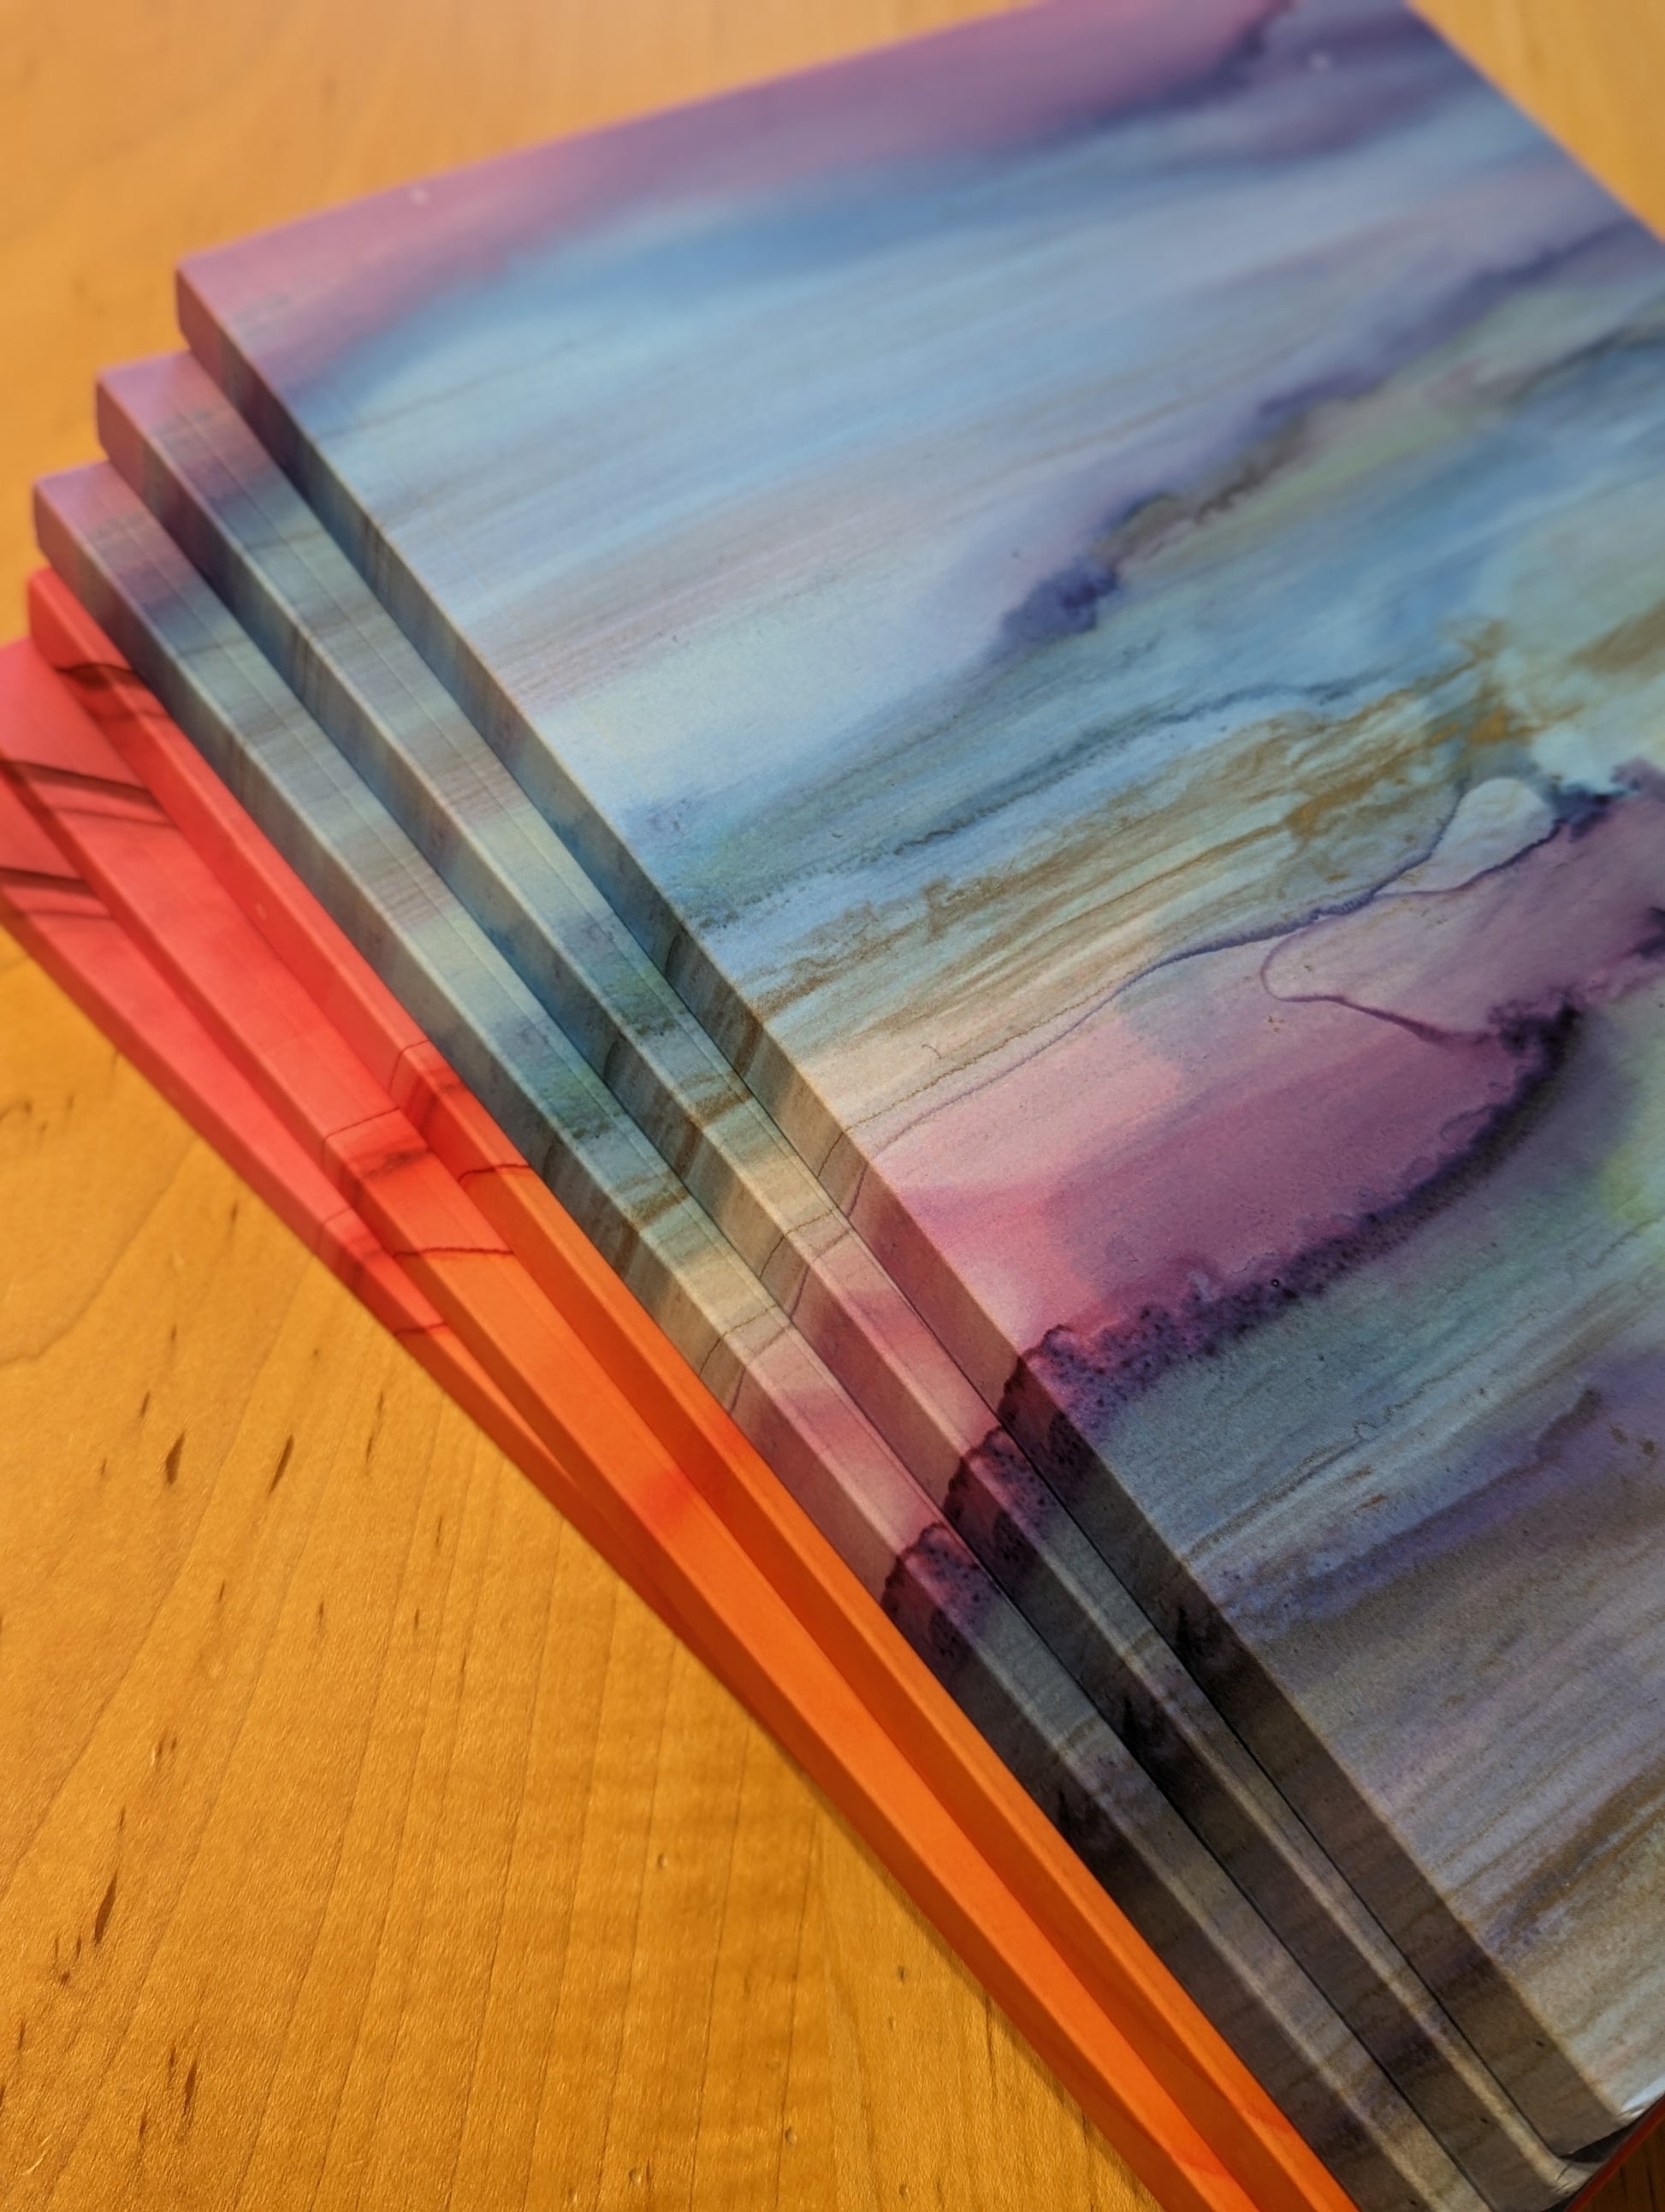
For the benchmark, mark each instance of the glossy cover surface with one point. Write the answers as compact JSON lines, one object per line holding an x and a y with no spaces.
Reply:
{"x":1090,"y":590}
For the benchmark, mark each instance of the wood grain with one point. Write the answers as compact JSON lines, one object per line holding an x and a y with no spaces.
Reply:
{"x":362,"y":1840}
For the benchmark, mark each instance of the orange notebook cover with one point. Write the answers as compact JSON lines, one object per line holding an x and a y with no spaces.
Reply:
{"x":574,"y":1379}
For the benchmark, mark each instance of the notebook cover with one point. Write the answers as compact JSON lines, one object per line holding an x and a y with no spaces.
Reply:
{"x":1032,"y":570}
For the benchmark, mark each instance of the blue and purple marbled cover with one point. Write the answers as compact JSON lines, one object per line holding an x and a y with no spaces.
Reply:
{"x":1093,"y":591}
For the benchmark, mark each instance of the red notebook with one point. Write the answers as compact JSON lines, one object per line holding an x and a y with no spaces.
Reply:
{"x":130,"y":871}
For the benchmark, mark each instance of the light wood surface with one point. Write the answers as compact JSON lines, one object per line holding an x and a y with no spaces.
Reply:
{"x":362,"y":1841}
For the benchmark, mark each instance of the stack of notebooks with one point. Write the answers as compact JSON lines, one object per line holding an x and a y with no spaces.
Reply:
{"x":926,"y":812}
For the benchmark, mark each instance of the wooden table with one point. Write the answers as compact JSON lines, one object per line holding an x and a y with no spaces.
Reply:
{"x":362,"y":1840}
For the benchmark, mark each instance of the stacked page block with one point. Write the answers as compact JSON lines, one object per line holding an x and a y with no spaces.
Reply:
{"x":1004,"y":706}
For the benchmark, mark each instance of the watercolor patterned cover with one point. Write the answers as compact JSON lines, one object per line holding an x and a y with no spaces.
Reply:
{"x":225,"y":503}
{"x":1089,"y":589}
